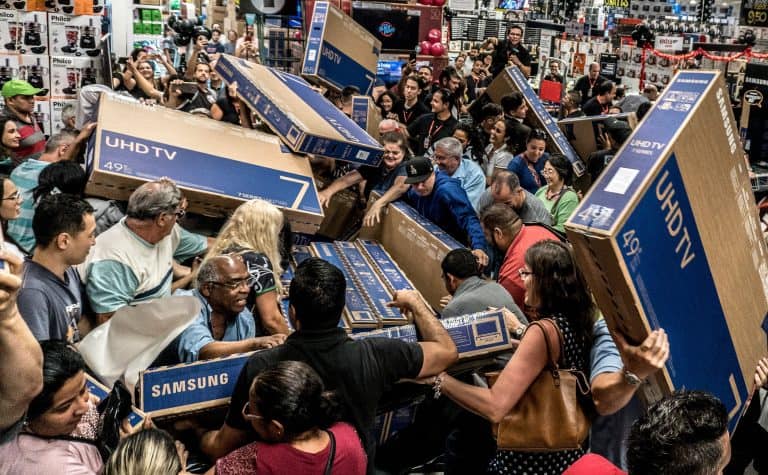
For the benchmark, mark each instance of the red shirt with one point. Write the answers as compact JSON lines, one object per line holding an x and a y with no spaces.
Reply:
{"x":283,"y":459}
{"x":593,"y":464}
{"x":514,"y":260}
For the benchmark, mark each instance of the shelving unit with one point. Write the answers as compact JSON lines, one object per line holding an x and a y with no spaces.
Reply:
{"x":124,"y":38}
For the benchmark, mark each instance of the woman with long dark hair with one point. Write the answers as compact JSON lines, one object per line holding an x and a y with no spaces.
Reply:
{"x":295,"y":419}
{"x":557,"y":290}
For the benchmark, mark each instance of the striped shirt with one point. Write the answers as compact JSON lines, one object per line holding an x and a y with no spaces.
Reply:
{"x":25,"y":177}
{"x":32,"y":142}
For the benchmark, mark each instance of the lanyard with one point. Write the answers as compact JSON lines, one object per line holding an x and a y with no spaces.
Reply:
{"x":430,"y":134}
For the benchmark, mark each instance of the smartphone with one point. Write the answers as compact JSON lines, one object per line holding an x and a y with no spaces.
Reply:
{"x":122,"y":60}
{"x":188,"y":87}
{"x":412,"y":56}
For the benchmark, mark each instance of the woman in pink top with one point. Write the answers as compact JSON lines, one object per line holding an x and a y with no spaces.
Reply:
{"x":61,"y":421}
{"x":294,"y":418}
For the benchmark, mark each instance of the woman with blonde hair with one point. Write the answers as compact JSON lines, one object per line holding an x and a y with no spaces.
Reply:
{"x":253,"y":231}
{"x":147,"y":451}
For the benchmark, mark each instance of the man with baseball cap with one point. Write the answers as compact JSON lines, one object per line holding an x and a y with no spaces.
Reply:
{"x":19,"y":99}
{"x":442,"y":200}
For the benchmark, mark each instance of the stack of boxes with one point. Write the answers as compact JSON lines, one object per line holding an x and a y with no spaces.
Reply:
{"x":52,"y":47}
{"x":147,"y":21}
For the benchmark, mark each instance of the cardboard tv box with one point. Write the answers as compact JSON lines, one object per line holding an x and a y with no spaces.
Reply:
{"x":512,"y":80}
{"x":189,"y":387}
{"x":305,"y":120}
{"x":339,"y":51}
{"x":217,"y":165}
{"x":366,"y":115}
{"x":669,"y":238}
{"x":583,"y":132}
{"x":417,"y":245}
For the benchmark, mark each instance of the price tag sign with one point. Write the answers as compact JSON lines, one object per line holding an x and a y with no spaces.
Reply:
{"x":617,"y":3}
{"x":754,"y":13}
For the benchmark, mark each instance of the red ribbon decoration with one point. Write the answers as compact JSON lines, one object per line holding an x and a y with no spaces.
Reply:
{"x":747,"y":53}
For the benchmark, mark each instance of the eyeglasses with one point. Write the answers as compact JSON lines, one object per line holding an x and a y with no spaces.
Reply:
{"x":235,"y":284}
{"x":248,"y":415}
{"x":13,"y":196}
{"x":524,"y":273}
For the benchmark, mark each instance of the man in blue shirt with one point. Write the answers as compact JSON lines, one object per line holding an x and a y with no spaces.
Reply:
{"x":447,"y":156}
{"x":442,"y":200}
{"x":224,"y":326}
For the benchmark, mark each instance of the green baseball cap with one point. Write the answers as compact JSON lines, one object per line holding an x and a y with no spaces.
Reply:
{"x":18,"y":87}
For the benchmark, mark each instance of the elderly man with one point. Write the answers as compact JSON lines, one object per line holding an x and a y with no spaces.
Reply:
{"x":447,"y":156}
{"x":442,"y":200}
{"x":133,"y":260}
{"x":505,"y":188}
{"x":224,"y":326}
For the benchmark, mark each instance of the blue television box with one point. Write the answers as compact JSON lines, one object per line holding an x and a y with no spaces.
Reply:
{"x":339,"y":51}
{"x":417,"y":246}
{"x":668,"y":237}
{"x":511,"y":80}
{"x":217,"y":165}
{"x":189,"y":387}
{"x":366,"y":115}
{"x":477,"y":334}
{"x":306,"y":121}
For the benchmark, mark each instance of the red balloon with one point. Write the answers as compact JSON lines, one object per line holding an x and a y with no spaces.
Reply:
{"x":425,"y":46}
{"x":434,"y":35}
{"x":437,"y":49}
{"x":425,"y":2}
{"x":438,"y":3}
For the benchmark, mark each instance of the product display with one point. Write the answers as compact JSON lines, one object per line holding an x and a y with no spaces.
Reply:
{"x":70,"y":73}
{"x":74,"y":35}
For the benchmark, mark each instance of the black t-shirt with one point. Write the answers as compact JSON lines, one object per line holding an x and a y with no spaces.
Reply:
{"x":593,"y":107}
{"x":230,"y":113}
{"x":502,"y":53}
{"x":473,"y":84}
{"x":408,"y":116}
{"x":198,"y":100}
{"x":360,"y":371}
{"x":427,"y":130}
{"x":587,"y":88}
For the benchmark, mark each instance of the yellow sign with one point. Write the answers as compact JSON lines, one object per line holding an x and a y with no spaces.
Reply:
{"x":617,"y":3}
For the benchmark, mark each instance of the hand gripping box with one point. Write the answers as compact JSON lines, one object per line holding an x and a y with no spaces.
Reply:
{"x":219,"y":166}
{"x":305,"y":120}
{"x":339,"y":51}
{"x":135,"y":417}
{"x":669,"y":238}
{"x":511,"y":80}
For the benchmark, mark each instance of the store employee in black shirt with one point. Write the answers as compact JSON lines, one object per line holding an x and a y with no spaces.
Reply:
{"x":359,"y":371}
{"x":510,"y":52}
{"x":411,"y":108}
{"x":429,"y":128}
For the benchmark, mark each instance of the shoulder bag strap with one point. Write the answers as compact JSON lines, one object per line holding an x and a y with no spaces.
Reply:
{"x":332,"y":455}
{"x":551,"y":363}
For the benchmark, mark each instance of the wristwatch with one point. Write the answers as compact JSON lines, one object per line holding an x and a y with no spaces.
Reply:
{"x":518,"y":332}
{"x":631,"y":378}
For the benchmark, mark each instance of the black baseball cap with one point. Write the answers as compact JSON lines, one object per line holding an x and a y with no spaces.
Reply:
{"x":418,"y":169}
